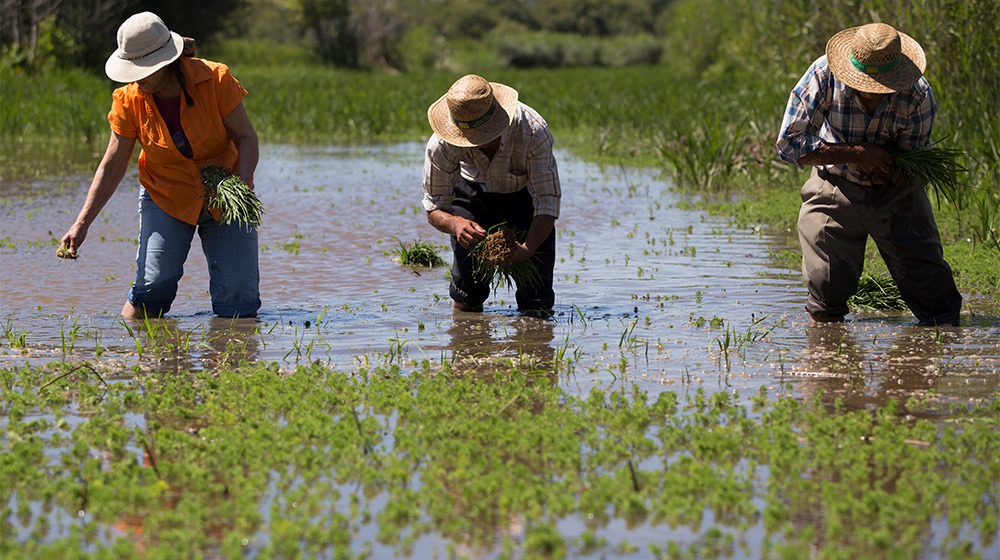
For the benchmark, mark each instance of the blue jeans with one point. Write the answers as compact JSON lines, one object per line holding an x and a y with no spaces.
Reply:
{"x":164,"y":242}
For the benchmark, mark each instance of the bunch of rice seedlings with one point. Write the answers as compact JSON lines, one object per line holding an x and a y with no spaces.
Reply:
{"x":64,"y":252}
{"x":939,"y":166}
{"x":236,"y":201}
{"x":877,"y":291}
{"x":420,"y":253}
{"x":493,"y":256}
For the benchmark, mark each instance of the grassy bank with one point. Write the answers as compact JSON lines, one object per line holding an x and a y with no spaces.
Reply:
{"x":256,"y":461}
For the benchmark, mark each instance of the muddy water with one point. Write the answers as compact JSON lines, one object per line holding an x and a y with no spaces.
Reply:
{"x":646,"y":292}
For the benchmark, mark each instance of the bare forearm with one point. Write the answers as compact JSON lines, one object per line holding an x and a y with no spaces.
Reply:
{"x":108,"y":176}
{"x":538,"y":231}
{"x":103,"y":186}
{"x":871,"y":158}
{"x":441,"y":220}
{"x":247,"y":158}
{"x":467,"y":232}
{"x":245,"y":138}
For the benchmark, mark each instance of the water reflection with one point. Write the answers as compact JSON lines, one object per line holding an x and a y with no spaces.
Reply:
{"x":474,"y":336}
{"x":866,"y":369}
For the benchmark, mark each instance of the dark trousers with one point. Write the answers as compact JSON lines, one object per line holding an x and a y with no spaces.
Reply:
{"x":835,"y":220}
{"x":488,"y":210}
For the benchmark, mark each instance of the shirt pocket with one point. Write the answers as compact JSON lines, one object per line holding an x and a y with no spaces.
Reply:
{"x":517,"y":174}
{"x":517,"y":167}
{"x":516,"y":181}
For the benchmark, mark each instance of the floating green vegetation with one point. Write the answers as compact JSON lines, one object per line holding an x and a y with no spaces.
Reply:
{"x":418,"y":253}
{"x":877,"y":291}
{"x":257,"y":462}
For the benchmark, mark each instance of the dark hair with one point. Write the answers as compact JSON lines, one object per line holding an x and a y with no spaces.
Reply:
{"x":175,"y":67}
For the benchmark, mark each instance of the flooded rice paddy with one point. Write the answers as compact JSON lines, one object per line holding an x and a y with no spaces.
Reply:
{"x":649,"y":294}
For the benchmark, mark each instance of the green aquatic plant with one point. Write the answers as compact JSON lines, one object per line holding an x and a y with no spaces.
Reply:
{"x":418,"y":253}
{"x":877,"y":291}
{"x":364,"y":463}
{"x":231,"y":196}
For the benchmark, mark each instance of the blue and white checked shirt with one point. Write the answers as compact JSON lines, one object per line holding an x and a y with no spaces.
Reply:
{"x":524,"y":160}
{"x":822,"y":109}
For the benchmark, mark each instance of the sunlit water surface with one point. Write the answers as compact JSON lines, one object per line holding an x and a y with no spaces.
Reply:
{"x":648,"y":293}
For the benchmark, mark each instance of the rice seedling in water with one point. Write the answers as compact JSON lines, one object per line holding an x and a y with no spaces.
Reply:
{"x":419,"y":253}
{"x":939,"y":166}
{"x":877,"y":291}
{"x":234,"y":199}
{"x":493,"y":256}
{"x":64,"y":252}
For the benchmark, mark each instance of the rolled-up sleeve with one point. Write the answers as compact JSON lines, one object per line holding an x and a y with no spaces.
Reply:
{"x":803,"y":118}
{"x":439,"y":175}
{"x":917,"y":132}
{"x":543,"y":175}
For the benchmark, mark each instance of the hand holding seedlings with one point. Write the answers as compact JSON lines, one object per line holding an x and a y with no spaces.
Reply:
{"x":500,"y":262}
{"x":234,"y":199}
{"x":66,"y":252}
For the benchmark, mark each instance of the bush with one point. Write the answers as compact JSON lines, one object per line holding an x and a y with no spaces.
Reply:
{"x":551,"y":50}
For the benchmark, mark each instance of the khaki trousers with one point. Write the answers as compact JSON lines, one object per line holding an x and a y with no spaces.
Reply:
{"x":835,"y":220}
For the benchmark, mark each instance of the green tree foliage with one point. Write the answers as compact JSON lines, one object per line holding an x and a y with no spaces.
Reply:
{"x":42,"y":33}
{"x":201,"y":20}
{"x":595,"y":17}
{"x":356,"y":33}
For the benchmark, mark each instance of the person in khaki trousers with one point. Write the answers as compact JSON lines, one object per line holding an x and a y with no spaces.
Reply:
{"x":866,"y":96}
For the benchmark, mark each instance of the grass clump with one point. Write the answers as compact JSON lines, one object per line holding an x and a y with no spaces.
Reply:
{"x":419,"y":253}
{"x":493,"y":255}
{"x":234,"y":199}
{"x":877,"y":291}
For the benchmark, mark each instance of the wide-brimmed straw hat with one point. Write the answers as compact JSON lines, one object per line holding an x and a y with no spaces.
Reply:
{"x":875,"y":58}
{"x":144,"y":46}
{"x":473,"y":112}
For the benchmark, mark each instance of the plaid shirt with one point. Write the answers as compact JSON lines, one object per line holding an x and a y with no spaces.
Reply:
{"x":524,"y":160}
{"x":822,"y":109}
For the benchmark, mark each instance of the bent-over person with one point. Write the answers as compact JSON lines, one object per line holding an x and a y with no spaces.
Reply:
{"x":185,"y":113}
{"x":490,"y":162}
{"x":864,"y":98}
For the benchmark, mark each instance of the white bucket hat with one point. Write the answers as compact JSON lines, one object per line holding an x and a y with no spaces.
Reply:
{"x":144,"y":46}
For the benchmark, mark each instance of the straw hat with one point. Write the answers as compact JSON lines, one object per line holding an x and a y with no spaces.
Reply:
{"x":875,"y":58}
{"x":144,"y":46}
{"x":473,"y":112}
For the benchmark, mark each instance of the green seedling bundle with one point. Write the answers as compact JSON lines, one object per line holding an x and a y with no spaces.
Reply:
{"x":493,"y":255}
{"x":234,"y":199}
{"x":877,"y":291}
{"x":418,"y":253}
{"x":937,"y":165}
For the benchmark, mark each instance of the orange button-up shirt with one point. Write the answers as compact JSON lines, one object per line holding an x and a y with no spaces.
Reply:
{"x":172,"y":180}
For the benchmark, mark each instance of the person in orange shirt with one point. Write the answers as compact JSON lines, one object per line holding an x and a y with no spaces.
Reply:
{"x":186,"y":113}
